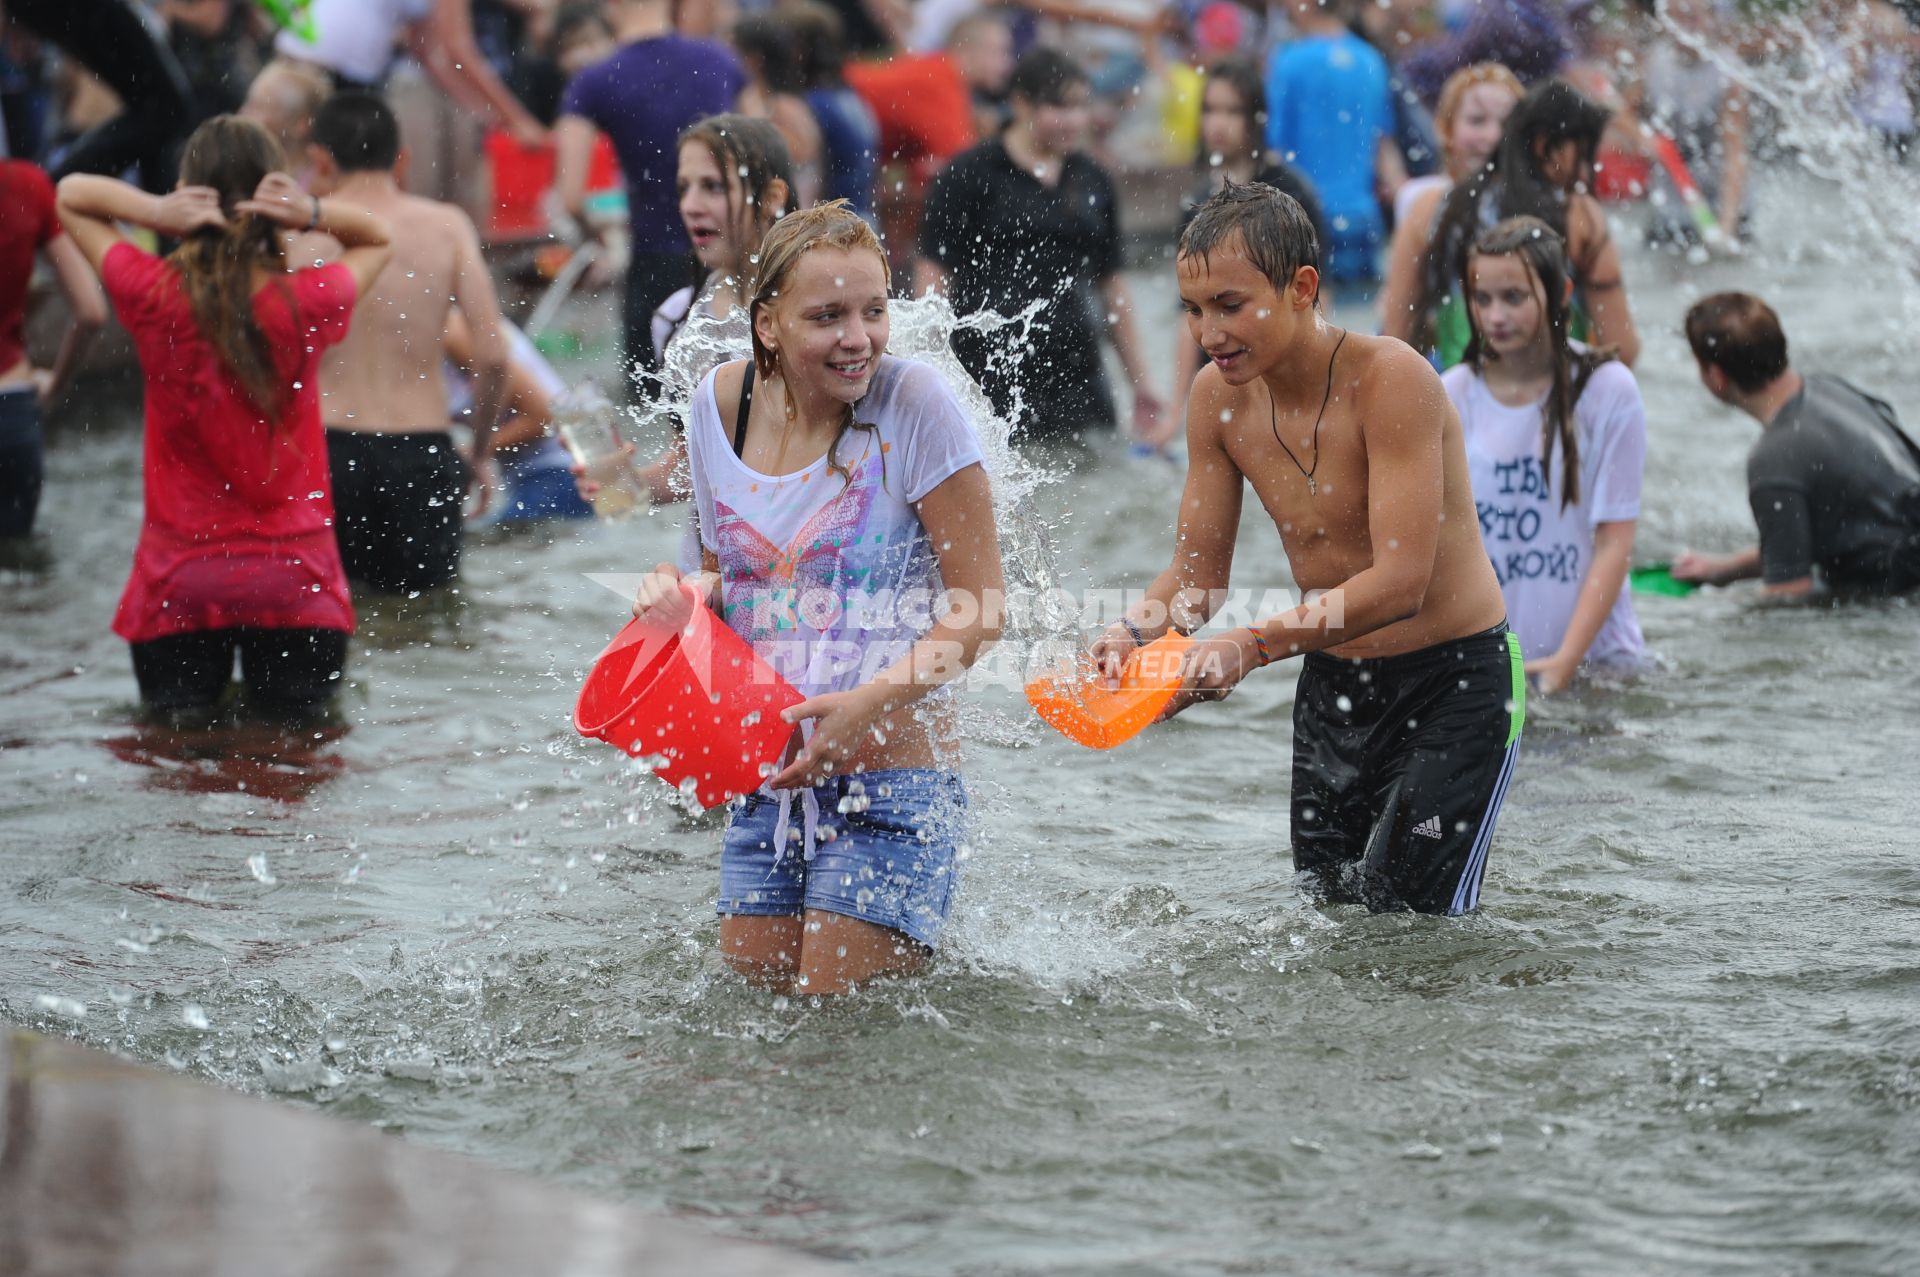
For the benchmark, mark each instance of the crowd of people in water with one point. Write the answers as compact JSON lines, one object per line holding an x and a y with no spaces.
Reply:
{"x":306,"y":291}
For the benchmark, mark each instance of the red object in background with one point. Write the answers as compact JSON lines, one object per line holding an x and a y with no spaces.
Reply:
{"x":699,"y":704}
{"x":522,"y":177}
{"x":28,"y":223}
{"x":924,"y":108}
{"x":1621,"y":176}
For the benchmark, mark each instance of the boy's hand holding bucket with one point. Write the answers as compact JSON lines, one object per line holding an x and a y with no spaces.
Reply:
{"x":1115,"y":690}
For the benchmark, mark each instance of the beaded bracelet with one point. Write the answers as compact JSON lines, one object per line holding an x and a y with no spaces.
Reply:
{"x":1260,"y":646}
{"x":1139,"y":639}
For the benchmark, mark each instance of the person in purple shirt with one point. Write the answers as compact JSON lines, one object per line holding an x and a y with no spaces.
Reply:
{"x":655,"y":85}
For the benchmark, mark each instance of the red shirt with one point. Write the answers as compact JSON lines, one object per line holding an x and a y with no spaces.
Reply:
{"x":923,"y":106}
{"x":239,"y":510}
{"x":27,"y":225}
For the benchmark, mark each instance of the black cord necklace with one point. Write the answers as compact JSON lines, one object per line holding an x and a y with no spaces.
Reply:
{"x":1313,"y":488}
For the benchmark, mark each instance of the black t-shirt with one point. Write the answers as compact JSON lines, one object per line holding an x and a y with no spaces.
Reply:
{"x":1282,"y":177}
{"x":1007,"y":240}
{"x":1834,"y":481}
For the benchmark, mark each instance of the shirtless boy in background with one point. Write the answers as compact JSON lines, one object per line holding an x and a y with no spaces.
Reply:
{"x":398,"y":484}
{"x":1410,"y":701}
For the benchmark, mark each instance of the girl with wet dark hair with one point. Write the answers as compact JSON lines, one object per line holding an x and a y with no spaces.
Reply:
{"x":1556,"y":442}
{"x":734,"y":180}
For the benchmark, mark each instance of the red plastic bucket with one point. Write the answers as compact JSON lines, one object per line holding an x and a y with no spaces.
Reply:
{"x":695,"y":704}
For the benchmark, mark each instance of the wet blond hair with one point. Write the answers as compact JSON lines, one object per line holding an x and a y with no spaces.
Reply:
{"x":829,"y":225}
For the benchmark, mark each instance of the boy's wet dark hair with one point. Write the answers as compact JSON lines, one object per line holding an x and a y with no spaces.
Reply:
{"x":1269,"y":225}
{"x":359,"y":131}
{"x":1043,"y":76}
{"x":1741,"y":336}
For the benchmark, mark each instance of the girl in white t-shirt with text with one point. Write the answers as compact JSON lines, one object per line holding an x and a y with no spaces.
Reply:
{"x":1556,"y":442}
{"x":846,"y":530}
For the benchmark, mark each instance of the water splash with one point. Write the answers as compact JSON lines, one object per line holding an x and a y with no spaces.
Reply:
{"x":1804,"y":75}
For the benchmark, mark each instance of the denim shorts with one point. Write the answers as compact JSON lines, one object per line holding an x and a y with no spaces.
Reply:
{"x":884,"y":852}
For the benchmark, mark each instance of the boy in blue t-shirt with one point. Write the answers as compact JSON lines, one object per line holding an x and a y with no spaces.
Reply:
{"x":1329,"y":111}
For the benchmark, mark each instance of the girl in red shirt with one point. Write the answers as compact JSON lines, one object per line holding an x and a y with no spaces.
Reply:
{"x":236,"y":550}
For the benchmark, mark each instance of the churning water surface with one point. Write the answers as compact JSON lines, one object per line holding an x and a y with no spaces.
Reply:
{"x":1678,"y":1036}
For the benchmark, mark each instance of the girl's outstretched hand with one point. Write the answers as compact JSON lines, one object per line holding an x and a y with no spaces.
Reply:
{"x":1551,"y":673}
{"x":585,"y":484}
{"x":844,"y":727}
{"x":282,"y":201}
{"x":186,"y":209}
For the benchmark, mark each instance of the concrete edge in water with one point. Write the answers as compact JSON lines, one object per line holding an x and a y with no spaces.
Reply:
{"x":108,"y":1167}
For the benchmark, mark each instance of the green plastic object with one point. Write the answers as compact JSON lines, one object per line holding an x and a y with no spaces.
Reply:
{"x":294,"y":15}
{"x":1657,"y":578}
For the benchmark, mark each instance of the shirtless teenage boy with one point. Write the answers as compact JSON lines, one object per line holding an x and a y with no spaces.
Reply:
{"x":397,"y":481}
{"x":1410,"y":699}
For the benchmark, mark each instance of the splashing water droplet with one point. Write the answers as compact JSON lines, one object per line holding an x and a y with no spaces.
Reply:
{"x":194,"y":1016}
{"x":257,"y":865}
{"x":65,"y":1008}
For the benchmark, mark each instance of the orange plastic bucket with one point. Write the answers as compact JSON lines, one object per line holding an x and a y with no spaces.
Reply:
{"x":1079,"y":705}
{"x":695,"y":705}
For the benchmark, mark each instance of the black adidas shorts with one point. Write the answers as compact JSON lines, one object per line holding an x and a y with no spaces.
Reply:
{"x":1399,"y":767}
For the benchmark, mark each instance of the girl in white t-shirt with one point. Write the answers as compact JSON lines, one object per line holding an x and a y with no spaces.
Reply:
{"x":846,"y":530}
{"x":1556,"y":442}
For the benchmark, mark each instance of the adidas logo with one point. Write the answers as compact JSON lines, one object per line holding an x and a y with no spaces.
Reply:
{"x":1428,"y":828}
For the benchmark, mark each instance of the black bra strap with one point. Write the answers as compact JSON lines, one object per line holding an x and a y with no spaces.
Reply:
{"x":740,"y":420}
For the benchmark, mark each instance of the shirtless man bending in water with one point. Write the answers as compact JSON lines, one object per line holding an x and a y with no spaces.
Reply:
{"x":1410,"y":699}
{"x":398,"y":484}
